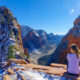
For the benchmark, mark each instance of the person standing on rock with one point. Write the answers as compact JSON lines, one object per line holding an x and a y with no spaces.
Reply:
{"x":74,"y":60}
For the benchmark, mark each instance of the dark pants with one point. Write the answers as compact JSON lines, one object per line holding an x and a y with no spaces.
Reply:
{"x":73,"y":74}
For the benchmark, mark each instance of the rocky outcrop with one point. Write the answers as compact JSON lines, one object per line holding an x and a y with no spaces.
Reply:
{"x":18,"y":61}
{"x":6,"y":77}
{"x":19,"y":71}
{"x":10,"y":35}
{"x":73,"y":37}
{"x":10,"y":71}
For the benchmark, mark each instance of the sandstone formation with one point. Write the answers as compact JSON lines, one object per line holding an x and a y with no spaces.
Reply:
{"x":6,"y":77}
{"x":72,"y":37}
{"x":10,"y":72}
{"x":10,"y":35}
{"x":20,"y":71}
{"x":18,"y":61}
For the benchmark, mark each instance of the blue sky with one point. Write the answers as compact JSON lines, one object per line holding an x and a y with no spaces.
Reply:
{"x":54,"y":16}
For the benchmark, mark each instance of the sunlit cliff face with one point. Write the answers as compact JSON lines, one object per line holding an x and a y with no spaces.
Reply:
{"x":72,"y":37}
{"x":10,"y":35}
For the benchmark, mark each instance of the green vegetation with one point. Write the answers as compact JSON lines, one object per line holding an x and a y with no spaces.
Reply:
{"x":10,"y":52}
{"x":22,"y":53}
{"x":16,"y":36}
{"x":16,"y":47}
{"x":2,"y":20}
{"x":27,"y":56}
{"x":11,"y":33}
{"x":5,"y":12}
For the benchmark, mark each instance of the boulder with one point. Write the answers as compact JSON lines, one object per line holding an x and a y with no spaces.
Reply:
{"x":10,"y":71}
{"x":6,"y":77}
{"x":18,"y":61}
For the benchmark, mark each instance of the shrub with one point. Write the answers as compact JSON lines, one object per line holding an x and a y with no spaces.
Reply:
{"x":27,"y":56}
{"x":10,"y":52}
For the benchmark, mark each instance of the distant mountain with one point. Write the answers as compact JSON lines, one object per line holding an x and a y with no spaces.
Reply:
{"x":25,"y":30}
{"x":72,"y":37}
{"x":38,"y":39}
{"x":50,"y":38}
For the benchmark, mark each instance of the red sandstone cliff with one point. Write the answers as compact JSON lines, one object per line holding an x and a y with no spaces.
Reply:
{"x":72,"y":37}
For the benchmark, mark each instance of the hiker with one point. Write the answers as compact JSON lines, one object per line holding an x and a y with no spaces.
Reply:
{"x":74,"y":60}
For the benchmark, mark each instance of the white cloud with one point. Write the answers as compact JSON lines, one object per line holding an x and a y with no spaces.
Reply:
{"x":72,"y":11}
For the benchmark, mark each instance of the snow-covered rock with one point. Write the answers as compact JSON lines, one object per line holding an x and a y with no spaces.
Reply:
{"x":10,"y":34}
